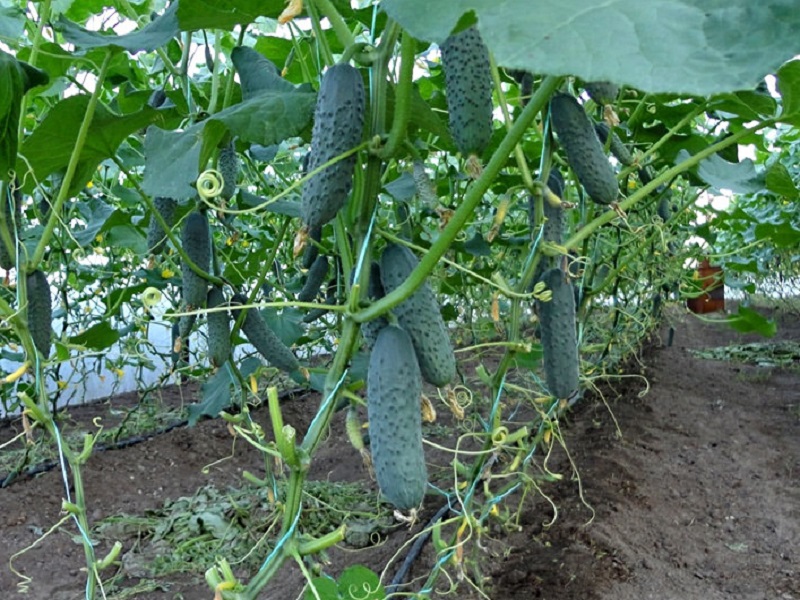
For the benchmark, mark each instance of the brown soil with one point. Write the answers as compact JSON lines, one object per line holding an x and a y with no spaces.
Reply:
{"x":699,"y":498}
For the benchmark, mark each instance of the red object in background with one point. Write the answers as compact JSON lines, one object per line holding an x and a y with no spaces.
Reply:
{"x":713,"y":281}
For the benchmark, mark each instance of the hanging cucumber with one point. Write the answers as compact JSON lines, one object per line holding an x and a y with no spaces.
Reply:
{"x":583,"y":148}
{"x":196,"y":240}
{"x":420,"y":316}
{"x":314,"y":279}
{"x":602,"y":92}
{"x":264,"y":339}
{"x":616,"y":145}
{"x":219,"y":328}
{"x":394,"y":387}
{"x":40,"y":311}
{"x":156,"y":237}
{"x":468,"y":88}
{"x":559,"y":340}
{"x":338,"y":127}
{"x":371,"y":329}
{"x":228,"y":166}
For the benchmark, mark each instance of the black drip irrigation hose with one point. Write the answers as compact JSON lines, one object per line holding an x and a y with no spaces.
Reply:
{"x":416,"y":549}
{"x":48,"y":465}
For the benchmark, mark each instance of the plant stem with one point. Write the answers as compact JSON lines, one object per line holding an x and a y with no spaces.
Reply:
{"x":402,"y":97}
{"x":338,"y":24}
{"x":63,"y":191}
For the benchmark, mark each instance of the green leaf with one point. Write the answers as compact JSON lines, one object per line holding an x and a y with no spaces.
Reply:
{"x":693,"y":46}
{"x":49,"y":148}
{"x":782,"y":235}
{"x":747,"y":320}
{"x":360,"y":583}
{"x":779,"y":181}
{"x":225,"y":14}
{"x":529,"y":360}
{"x":288,"y":208}
{"x":11,"y":92}
{"x":171,"y":162}
{"x":740,"y":178}
{"x":270,"y":116}
{"x":257,"y":73}
{"x":12,"y":22}
{"x":150,"y":37}
{"x":95,"y":213}
{"x":98,"y":337}
{"x":789,"y":87}
{"x":325,"y":587}
{"x":216,"y":395}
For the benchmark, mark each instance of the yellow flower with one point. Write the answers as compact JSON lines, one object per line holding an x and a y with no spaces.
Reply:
{"x":166,"y":273}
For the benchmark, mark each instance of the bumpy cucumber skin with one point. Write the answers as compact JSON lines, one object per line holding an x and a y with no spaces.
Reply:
{"x":314,"y":279}
{"x":338,"y":127}
{"x":265,"y":341}
{"x":602,"y":92}
{"x":617,"y":147}
{"x":559,"y":340}
{"x":156,"y":237}
{"x":419,"y":315}
{"x":371,"y":329}
{"x":394,"y":387}
{"x":468,"y":88}
{"x":196,"y":240}
{"x":312,"y":250}
{"x":219,"y":329}
{"x":11,"y":207}
{"x":228,"y":166}
{"x":664,"y":208}
{"x":40,"y":311}
{"x":583,"y":148}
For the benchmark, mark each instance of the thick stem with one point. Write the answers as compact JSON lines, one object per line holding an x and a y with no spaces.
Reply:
{"x":402,"y":97}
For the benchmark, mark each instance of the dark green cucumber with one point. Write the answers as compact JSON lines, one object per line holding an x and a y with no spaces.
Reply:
{"x":219,"y":328}
{"x":602,"y":92}
{"x":616,"y":145}
{"x":11,"y":205}
{"x":394,"y":387}
{"x":40,"y":311}
{"x":338,"y":127}
{"x":228,"y":166}
{"x":583,"y":148}
{"x":156,"y":237}
{"x":196,"y":240}
{"x":419,"y":314}
{"x":559,"y":340}
{"x":312,"y":250}
{"x":314,"y":279}
{"x":468,"y":88}
{"x":371,"y":329}
{"x":264,"y":339}
{"x":664,"y":208}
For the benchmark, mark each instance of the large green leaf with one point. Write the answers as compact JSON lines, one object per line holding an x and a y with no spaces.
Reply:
{"x":171,"y":162}
{"x":747,"y":320}
{"x":779,"y":181}
{"x":11,"y":92}
{"x":12,"y":23}
{"x":50,"y":146}
{"x":740,"y":178}
{"x":789,"y":86}
{"x":691,"y":46}
{"x":224,"y":14}
{"x":153,"y":35}
{"x":98,"y":337}
{"x":216,"y":395}
{"x":257,"y":73}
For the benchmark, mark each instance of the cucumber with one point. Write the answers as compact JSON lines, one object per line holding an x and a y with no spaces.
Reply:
{"x":11,"y":199}
{"x":219,"y":328}
{"x":559,"y":340}
{"x":312,"y":250}
{"x":468,"y":89}
{"x":156,"y":237}
{"x":264,"y":339}
{"x":228,"y":166}
{"x":394,"y":387}
{"x":40,"y":311}
{"x":196,"y":240}
{"x":314,"y":279}
{"x":664,"y":208}
{"x":583,"y":148}
{"x":617,"y":147}
{"x":338,"y":127}
{"x":602,"y":92}
{"x":419,"y":315}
